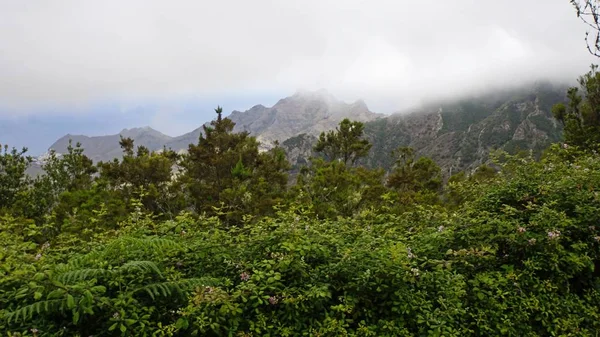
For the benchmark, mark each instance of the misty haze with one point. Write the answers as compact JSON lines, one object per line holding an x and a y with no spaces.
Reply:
{"x":292,"y":168}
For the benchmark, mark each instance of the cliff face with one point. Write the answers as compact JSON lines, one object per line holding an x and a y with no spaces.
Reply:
{"x":460,"y":135}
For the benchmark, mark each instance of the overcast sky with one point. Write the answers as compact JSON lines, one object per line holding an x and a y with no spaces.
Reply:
{"x":69,"y":57}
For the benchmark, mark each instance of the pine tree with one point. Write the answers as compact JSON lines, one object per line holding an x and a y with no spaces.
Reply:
{"x":226,"y":171}
{"x":581,"y":117}
{"x":346,"y":143}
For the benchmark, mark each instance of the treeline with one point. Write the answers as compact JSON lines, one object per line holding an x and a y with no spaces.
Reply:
{"x":216,"y":242}
{"x":224,"y":174}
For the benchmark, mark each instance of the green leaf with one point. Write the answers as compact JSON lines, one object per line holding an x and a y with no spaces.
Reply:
{"x":76,"y":317}
{"x":70,"y":301}
{"x":37,"y":295}
{"x":123,"y":328}
{"x":58,"y":293}
{"x":182,"y":323}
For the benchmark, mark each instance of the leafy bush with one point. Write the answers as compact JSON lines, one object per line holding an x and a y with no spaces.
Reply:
{"x":519,"y":255}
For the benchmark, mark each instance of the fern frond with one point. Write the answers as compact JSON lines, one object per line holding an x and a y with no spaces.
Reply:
{"x":169,"y":288}
{"x":81,"y":274}
{"x":144,"y":266}
{"x":123,"y":247}
{"x":27,"y":311}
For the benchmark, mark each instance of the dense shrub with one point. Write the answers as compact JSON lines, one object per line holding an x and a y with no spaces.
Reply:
{"x":518,"y":256}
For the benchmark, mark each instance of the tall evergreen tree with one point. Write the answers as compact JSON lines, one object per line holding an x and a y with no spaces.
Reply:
{"x":225,"y":169}
{"x":410,"y":175}
{"x":346,"y":143}
{"x":581,"y":116}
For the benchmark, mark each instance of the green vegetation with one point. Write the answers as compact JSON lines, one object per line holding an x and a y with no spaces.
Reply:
{"x":581,"y":117}
{"x":216,"y":242}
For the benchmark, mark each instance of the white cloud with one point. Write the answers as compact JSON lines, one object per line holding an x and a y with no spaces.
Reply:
{"x":391,"y":53}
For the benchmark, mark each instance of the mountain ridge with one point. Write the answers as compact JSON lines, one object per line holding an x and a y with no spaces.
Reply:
{"x":458,"y":134}
{"x":303,"y":112}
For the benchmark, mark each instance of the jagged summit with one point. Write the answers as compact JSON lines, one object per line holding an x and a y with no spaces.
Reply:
{"x":310,"y":112}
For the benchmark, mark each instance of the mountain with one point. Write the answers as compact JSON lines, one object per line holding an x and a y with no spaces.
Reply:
{"x":309,"y":112}
{"x":103,"y":148}
{"x":459,"y":134}
{"x":304,"y":112}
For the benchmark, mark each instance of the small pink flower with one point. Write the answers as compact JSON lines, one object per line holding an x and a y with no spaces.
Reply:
{"x":521,"y":230}
{"x":38,"y":256}
{"x":553,"y":235}
{"x":244,"y":276}
{"x":531,"y":241}
{"x":273,"y":300}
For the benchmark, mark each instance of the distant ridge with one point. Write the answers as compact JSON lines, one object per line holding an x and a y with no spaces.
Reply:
{"x":458,"y":134}
{"x":304,"y":112}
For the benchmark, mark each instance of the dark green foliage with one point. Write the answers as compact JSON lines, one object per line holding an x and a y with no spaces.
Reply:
{"x":217,"y":244}
{"x":517,"y":256}
{"x":581,"y":117}
{"x":13,"y":180}
{"x":225,"y":173}
{"x":145,"y":175}
{"x":414,"y":178}
{"x":332,"y":189}
{"x":460,"y":116}
{"x":346,"y":143}
{"x":66,"y":173}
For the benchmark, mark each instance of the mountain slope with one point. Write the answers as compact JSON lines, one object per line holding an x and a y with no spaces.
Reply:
{"x":304,"y":112}
{"x":103,"y":148}
{"x":459,"y":135}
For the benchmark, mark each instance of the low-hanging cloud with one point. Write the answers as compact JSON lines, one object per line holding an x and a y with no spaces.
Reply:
{"x":392,"y":53}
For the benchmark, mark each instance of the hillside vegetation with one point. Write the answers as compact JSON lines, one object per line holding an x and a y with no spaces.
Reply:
{"x":215,"y":242}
